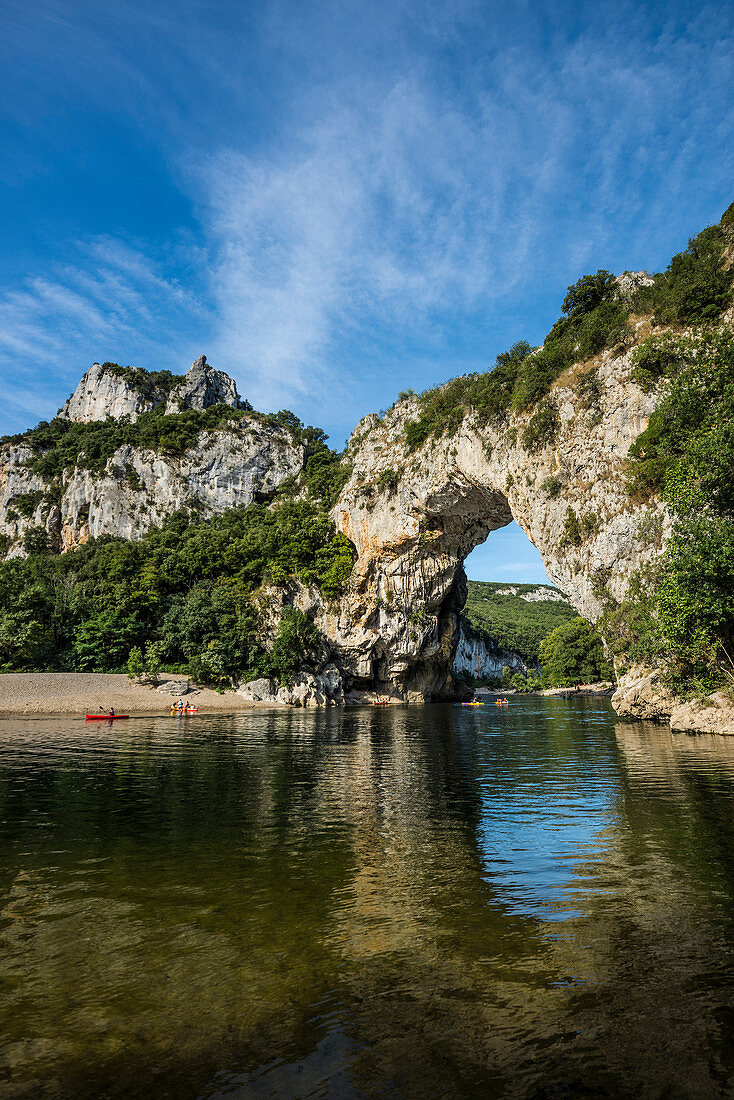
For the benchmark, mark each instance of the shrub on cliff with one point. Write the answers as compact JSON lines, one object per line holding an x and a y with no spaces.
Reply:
{"x":296,"y":641}
{"x":696,"y":286}
{"x":146,"y":382}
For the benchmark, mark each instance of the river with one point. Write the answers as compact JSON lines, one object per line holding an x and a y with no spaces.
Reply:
{"x":530,"y":901}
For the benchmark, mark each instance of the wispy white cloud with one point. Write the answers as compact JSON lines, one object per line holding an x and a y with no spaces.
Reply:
{"x":411,"y":206}
{"x":113,"y":303}
{"x":398,"y":191}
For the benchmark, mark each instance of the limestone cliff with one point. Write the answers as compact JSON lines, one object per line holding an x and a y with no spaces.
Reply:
{"x":414,"y":516}
{"x":245,"y":459}
{"x":108,"y":390}
{"x":413,"y":507}
{"x":483,"y":660}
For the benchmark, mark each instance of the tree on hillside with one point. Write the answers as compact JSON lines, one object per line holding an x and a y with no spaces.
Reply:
{"x":589,"y":292}
{"x":573,"y":654}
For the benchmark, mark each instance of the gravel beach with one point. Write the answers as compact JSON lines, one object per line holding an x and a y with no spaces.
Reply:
{"x":88,"y":692}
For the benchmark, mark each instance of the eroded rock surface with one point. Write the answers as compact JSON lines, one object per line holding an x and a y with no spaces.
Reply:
{"x":307,"y":689}
{"x":414,"y":517}
{"x":483,"y":660}
{"x":541,"y":594}
{"x":139,"y":488}
{"x":105,"y":392}
{"x":641,"y":694}
{"x":715,"y":714}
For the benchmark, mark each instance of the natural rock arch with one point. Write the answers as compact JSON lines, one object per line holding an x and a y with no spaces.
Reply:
{"x":413,"y":517}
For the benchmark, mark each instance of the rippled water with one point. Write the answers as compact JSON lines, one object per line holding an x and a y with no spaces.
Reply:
{"x":534,"y":901}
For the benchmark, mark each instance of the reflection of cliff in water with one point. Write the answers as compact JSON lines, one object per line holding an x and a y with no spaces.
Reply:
{"x":526,"y":901}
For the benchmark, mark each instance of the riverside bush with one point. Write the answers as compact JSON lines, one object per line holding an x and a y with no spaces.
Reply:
{"x":573,"y":654}
{"x":187,"y":586}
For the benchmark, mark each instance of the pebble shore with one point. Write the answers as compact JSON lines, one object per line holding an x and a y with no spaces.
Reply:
{"x":97,"y":692}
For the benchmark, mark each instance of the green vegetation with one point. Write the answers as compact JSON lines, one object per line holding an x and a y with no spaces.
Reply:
{"x":60,"y":445}
{"x":572,"y":654}
{"x":552,"y":486}
{"x":511,"y":622}
{"x":188,"y":588}
{"x":388,"y":480}
{"x":144,"y":667}
{"x":679,"y":612}
{"x":25,"y":504}
{"x":577,"y":529}
{"x":695,"y":288}
{"x":686,"y":450}
{"x":548,"y":632}
{"x":542,"y":427}
{"x":147,"y":382}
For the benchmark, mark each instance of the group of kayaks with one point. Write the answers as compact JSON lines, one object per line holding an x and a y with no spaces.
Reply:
{"x":115,"y":717}
{"x":481,"y":703}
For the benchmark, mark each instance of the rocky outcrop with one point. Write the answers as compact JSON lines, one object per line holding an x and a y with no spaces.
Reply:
{"x":714,"y":714}
{"x":232,"y":467}
{"x":306,"y":689}
{"x":481,"y":658}
{"x":412,"y":515}
{"x":542,"y":594}
{"x":174,"y":687}
{"x":202,"y":387}
{"x":110,"y":391}
{"x":641,"y":694}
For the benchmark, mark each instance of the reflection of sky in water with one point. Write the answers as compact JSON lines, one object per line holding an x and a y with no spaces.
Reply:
{"x":541,"y":840}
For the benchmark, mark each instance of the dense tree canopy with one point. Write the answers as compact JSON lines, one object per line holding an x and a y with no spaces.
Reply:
{"x":189,"y":587}
{"x":573,"y":653}
{"x":683,"y":607}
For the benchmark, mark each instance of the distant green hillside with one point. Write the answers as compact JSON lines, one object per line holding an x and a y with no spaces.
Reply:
{"x":512,"y":622}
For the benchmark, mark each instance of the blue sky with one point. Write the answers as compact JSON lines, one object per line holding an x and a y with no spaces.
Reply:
{"x":336,"y":201}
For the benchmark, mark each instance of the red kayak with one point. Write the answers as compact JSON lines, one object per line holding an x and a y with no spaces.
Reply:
{"x":104,"y":717}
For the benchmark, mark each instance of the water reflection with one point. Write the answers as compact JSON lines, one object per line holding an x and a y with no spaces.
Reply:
{"x":422,"y":901}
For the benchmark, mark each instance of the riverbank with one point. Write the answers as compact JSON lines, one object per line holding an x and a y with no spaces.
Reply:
{"x":602,"y":687}
{"x":87,"y":692}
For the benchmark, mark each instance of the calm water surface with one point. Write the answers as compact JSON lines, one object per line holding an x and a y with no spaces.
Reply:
{"x":414,"y":902}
